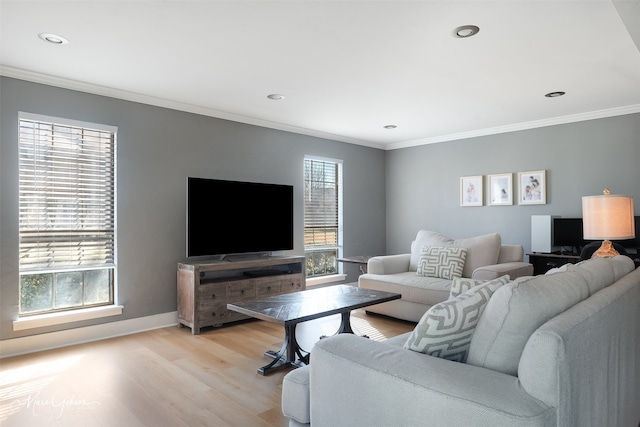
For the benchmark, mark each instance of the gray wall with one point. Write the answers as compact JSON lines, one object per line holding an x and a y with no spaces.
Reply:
{"x":157,"y":149}
{"x":580,"y":159}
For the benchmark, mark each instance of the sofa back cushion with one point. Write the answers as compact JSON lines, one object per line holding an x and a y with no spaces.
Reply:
{"x":584,"y":362}
{"x":481,"y":250}
{"x":602,"y":272}
{"x":515,"y":311}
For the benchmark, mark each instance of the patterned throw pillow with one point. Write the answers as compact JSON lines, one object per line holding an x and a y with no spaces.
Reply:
{"x":444,"y":263}
{"x":445,"y":330}
{"x":461,"y":285}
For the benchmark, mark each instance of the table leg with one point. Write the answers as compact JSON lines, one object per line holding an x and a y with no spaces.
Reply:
{"x":345,"y":325}
{"x":290,"y":354}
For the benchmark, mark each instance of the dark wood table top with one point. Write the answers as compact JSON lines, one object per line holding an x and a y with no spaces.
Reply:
{"x":356,"y":259}
{"x":311,"y":304}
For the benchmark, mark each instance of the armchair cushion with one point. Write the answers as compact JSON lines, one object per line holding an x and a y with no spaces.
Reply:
{"x":445,"y":330}
{"x":444,"y":263}
{"x":481,"y":250}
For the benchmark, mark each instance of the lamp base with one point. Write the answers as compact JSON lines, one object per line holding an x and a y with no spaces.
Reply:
{"x":606,"y":250}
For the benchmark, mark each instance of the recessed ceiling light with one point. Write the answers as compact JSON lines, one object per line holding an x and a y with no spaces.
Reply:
{"x":276,"y":97}
{"x":554,"y":94}
{"x":390,"y":126}
{"x":465,"y":31}
{"x":53,"y":38}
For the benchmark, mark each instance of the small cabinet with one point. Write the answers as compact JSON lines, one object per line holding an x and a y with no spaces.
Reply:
{"x":545,"y":262}
{"x":204,"y":289}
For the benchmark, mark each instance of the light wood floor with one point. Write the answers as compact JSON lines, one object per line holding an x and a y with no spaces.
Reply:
{"x":165,"y":377}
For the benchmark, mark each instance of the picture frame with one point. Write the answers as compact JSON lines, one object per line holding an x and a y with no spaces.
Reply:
{"x":471,"y":191}
{"x":500,"y":189}
{"x":532,"y":188}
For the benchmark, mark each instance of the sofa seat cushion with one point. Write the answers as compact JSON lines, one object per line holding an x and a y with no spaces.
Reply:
{"x":413,"y":288}
{"x":481,"y":250}
{"x":515,"y":311}
{"x":398,"y":340}
{"x":445,"y":330}
{"x":362,"y":382}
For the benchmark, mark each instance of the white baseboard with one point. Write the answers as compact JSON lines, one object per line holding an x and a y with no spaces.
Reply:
{"x":41,"y":342}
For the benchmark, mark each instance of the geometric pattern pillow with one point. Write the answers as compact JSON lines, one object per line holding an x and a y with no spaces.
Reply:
{"x":461,"y":285}
{"x":445,"y":330}
{"x":444,"y":263}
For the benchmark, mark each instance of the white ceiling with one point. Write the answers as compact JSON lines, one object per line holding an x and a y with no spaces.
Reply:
{"x":346,"y":68}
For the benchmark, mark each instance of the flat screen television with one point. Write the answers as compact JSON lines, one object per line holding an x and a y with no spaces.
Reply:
{"x":235,"y":217}
{"x":632,"y":243}
{"x":567,"y":233}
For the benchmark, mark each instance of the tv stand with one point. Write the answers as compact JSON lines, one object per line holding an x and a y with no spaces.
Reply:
{"x":245,"y":257}
{"x":543,"y":262}
{"x":205,"y":288}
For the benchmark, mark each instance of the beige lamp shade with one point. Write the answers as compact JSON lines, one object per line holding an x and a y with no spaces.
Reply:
{"x":608,"y":217}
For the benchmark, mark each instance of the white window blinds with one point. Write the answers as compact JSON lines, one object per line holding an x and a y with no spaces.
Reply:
{"x":321,"y":204}
{"x":67,"y":195}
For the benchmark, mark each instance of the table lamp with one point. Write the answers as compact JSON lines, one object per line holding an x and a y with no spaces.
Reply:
{"x":607,"y":217}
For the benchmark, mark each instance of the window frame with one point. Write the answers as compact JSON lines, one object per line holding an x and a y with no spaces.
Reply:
{"x":339,"y":216}
{"x":80,"y":264}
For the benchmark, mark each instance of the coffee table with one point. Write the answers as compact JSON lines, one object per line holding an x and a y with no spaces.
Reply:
{"x":296,"y":307}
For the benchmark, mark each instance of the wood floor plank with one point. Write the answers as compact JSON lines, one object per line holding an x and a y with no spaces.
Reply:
{"x":164,"y":377}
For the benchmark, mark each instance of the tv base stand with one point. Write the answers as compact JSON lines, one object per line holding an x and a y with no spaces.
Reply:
{"x":205,"y":288}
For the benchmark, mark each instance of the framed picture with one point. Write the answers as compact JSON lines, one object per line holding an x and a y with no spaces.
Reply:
{"x":471,"y":190}
{"x":532,"y":188}
{"x":500,"y":189}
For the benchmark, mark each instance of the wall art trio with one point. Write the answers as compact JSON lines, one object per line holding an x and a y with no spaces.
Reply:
{"x":500,"y":192}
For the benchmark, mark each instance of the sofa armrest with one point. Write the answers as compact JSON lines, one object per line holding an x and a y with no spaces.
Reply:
{"x":513,"y":269}
{"x":296,"y":399}
{"x":357,"y":381}
{"x":388,"y":264}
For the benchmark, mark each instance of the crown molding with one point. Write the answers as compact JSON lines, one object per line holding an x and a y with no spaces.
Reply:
{"x":572,"y":118}
{"x":174,"y":105}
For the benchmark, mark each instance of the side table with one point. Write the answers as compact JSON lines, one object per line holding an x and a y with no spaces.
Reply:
{"x":362,"y":260}
{"x":545,"y":262}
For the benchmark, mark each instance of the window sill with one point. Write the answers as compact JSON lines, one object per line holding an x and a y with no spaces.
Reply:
{"x":51,"y":319}
{"x":315,"y":281}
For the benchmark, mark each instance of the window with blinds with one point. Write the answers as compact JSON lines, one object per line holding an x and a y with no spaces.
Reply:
{"x":66,"y":214}
{"x":322,"y":204}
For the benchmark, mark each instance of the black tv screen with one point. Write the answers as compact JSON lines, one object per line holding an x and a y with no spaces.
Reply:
{"x":635,"y":242}
{"x":234,"y":217}
{"x":568,"y":232}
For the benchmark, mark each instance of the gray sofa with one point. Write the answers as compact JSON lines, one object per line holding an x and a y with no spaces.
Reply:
{"x":487,"y":258}
{"x":561,"y":349}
